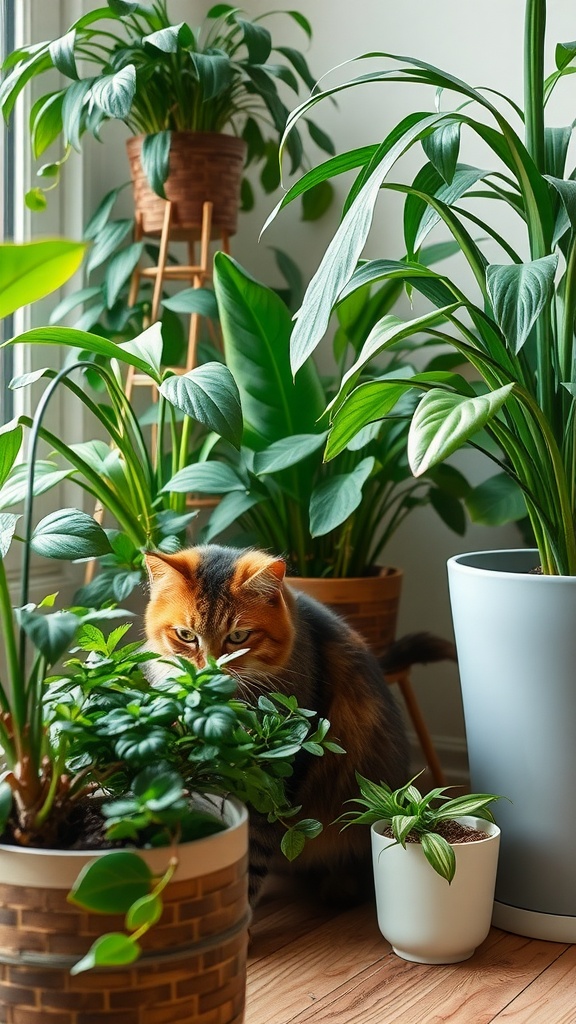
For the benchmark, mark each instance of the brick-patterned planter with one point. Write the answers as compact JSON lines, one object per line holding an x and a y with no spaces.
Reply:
{"x":192,"y":970}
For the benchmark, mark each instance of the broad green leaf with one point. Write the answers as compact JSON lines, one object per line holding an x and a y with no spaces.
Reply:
{"x":155,"y":160}
{"x":257,"y":39}
{"x":69,"y":533}
{"x":565,"y":54}
{"x":51,"y":634}
{"x":170,"y":39}
{"x":110,"y":884}
{"x":146,"y":348}
{"x":209,"y":395}
{"x":365,"y":404}
{"x":334,"y":500}
{"x":518,"y":293}
{"x":120,"y":269}
{"x":108,"y":239}
{"x":229,"y":510}
{"x":496,"y":501}
{"x":193,"y":300}
{"x":439,"y":854}
{"x":62,"y":54}
{"x":144,"y":912}
{"x":402,"y":825}
{"x":442,"y":147}
{"x":10,"y":443}
{"x":386,"y":332}
{"x":114,"y":93}
{"x":345,"y":248}
{"x":256,"y":328}
{"x":214,"y":71}
{"x":45,"y":122}
{"x":205,"y":478}
{"x":292,"y":843}
{"x":7,"y":529}
{"x":31,"y":270}
{"x":112,"y":950}
{"x":419,"y":216}
{"x":443,"y":421}
{"x":16,"y":487}
{"x":567,"y":193}
{"x":127,"y":352}
{"x":286,"y":452}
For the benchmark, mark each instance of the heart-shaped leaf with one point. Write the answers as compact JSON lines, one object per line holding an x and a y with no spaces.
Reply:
{"x":518,"y":293}
{"x":209,"y":395}
{"x":443,"y":421}
{"x":335,"y":499}
{"x":69,"y":533}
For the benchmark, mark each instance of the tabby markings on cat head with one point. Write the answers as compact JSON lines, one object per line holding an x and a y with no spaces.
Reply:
{"x":210,"y":600}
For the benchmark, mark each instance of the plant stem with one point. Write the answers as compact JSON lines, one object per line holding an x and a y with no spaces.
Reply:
{"x":534,"y":34}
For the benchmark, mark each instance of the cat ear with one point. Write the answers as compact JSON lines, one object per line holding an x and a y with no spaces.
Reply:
{"x":159,"y":568}
{"x":268,"y":579}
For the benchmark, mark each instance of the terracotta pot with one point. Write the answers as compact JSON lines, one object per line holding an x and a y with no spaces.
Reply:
{"x":192,"y":970}
{"x":204,"y":167}
{"x":369,"y":603}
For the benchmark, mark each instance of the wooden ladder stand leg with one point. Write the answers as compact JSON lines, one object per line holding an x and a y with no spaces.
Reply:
{"x":413,"y":708}
{"x":197,"y":274}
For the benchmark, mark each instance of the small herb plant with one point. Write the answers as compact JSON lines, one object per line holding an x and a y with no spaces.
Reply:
{"x":407,"y":812}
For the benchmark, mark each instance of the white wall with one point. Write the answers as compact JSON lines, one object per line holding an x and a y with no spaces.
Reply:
{"x":482,"y":43}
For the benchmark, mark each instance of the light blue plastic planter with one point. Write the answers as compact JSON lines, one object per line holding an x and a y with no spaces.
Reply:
{"x":516,"y":640}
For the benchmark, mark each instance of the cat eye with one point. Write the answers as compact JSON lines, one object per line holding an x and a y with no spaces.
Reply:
{"x":185,"y":635}
{"x":238,"y":636}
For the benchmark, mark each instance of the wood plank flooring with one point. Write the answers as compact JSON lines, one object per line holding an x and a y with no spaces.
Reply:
{"x":310,"y":966}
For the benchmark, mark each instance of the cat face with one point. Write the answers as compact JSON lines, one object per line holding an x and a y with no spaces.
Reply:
{"x":211,"y":600}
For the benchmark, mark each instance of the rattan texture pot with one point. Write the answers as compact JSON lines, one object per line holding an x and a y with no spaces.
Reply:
{"x":369,"y":603}
{"x":204,"y":167}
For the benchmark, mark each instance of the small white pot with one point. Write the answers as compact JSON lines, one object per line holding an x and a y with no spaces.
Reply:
{"x":424,"y":918}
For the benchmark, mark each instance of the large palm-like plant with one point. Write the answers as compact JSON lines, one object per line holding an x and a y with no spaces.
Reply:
{"x":514,"y":324}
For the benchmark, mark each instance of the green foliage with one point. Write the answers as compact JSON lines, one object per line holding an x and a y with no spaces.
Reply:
{"x":407,"y":812}
{"x":128,"y":479}
{"x":512,"y":321}
{"x":130,"y":63}
{"x":334,"y":518}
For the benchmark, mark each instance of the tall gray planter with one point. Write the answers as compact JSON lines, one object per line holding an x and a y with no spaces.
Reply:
{"x":516,"y":640}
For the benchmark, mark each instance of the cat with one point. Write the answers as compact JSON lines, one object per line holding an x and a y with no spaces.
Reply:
{"x":212,"y":600}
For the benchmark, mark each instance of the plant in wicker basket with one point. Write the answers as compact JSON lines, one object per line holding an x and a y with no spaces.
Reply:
{"x":127,"y":61}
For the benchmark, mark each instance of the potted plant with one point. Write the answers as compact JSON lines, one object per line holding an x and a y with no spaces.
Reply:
{"x":123,"y":474}
{"x":512,"y":323}
{"x":434,"y":860}
{"x":97,"y":755}
{"x":332,"y":521}
{"x":203,"y":98}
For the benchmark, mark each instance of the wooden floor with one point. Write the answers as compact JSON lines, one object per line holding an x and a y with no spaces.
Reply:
{"x":308,"y":965}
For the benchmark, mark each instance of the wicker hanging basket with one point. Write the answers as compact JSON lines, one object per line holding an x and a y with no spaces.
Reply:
{"x":204,"y":167}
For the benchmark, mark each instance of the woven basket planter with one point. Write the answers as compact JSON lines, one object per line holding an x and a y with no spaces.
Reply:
{"x":193,"y":966}
{"x":204,"y":167}
{"x":369,"y":603}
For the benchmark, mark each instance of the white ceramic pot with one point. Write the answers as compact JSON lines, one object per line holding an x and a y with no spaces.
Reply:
{"x":425,"y":918}
{"x":516,"y":638}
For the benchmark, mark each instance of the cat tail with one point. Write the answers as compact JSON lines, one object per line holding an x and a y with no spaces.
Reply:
{"x":416,"y":649}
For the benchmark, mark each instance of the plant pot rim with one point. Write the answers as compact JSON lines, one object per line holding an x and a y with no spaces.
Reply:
{"x":490,"y":828}
{"x":36,"y":866}
{"x":515,"y":563}
{"x":383,"y":572}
